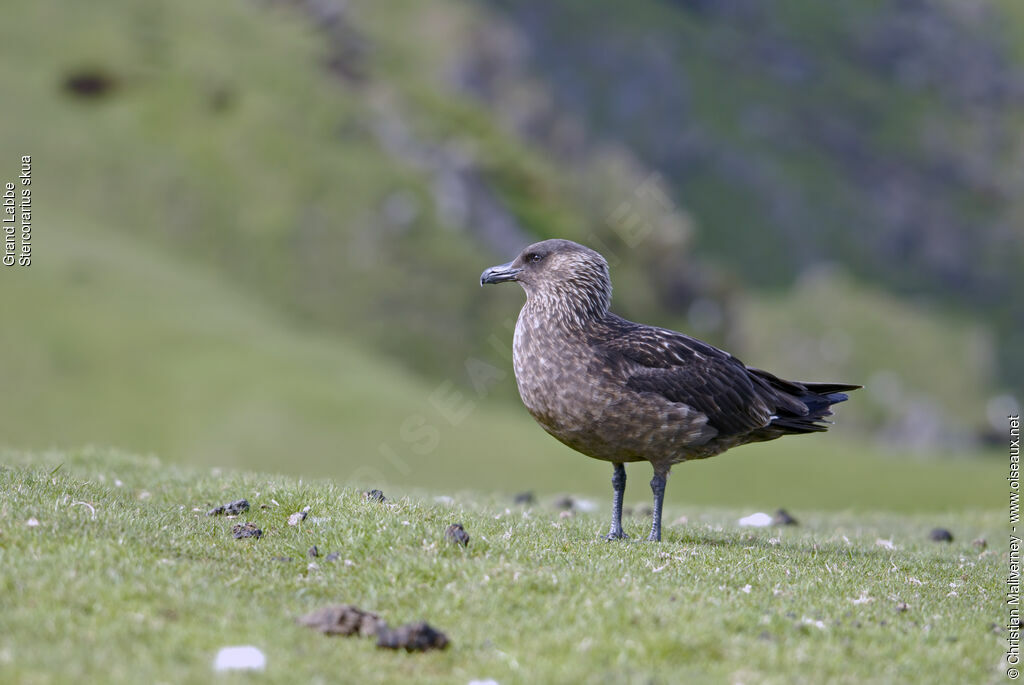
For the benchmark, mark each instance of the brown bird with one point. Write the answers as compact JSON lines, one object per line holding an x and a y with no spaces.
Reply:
{"x":625,"y":392}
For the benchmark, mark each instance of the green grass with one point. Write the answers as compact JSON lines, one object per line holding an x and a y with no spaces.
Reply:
{"x":126,"y":580}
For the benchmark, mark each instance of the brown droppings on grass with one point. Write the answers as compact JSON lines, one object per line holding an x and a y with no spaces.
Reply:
{"x":343,"y":619}
{"x":239,"y":506}
{"x":783,"y":518}
{"x":457,"y":534}
{"x":246,"y":530}
{"x":414,"y":637}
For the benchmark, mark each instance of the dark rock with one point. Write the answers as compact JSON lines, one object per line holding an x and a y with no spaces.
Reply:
{"x":525,"y":498}
{"x":940,"y":535}
{"x":313,"y":552}
{"x":239,"y":506}
{"x":414,"y":637}
{"x":89,"y":84}
{"x":374,"y":496}
{"x":782,"y":518}
{"x":246,"y":530}
{"x":564,"y":503}
{"x":343,"y":619}
{"x":457,"y":534}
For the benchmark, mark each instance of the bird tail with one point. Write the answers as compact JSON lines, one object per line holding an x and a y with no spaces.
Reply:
{"x":802,"y":407}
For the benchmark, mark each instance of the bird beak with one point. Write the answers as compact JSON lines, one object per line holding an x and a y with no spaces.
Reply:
{"x":499,"y":274}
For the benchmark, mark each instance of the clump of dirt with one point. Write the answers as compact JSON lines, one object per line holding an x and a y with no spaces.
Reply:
{"x":940,"y":535}
{"x":783,"y":518}
{"x":246,"y":530}
{"x":343,"y":619}
{"x":457,"y":534}
{"x":564,"y":503}
{"x":525,"y":498}
{"x":374,"y":496}
{"x":414,"y":637}
{"x":239,"y":506}
{"x":89,"y":84}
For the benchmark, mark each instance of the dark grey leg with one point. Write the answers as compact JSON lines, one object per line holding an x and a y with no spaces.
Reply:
{"x":658,"y":488}
{"x":619,"y":487}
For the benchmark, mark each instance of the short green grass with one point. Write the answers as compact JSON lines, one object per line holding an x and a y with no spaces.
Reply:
{"x":125,"y":579}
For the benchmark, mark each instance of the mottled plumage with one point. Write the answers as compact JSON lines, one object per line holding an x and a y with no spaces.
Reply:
{"x":623,"y":392}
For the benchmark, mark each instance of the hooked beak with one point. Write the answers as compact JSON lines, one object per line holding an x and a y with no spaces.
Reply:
{"x":499,"y":274}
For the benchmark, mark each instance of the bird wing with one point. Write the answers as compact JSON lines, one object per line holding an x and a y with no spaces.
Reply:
{"x":686,"y":370}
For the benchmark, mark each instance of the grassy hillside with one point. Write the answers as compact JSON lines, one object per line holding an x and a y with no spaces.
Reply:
{"x":333,"y":171}
{"x":114,"y":573}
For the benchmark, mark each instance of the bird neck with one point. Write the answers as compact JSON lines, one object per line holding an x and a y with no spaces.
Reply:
{"x":570,"y":309}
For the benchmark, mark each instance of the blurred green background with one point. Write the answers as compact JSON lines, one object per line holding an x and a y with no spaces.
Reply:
{"x":259,"y":226}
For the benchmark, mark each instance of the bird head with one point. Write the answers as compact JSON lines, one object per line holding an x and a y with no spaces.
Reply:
{"x":559,"y":272}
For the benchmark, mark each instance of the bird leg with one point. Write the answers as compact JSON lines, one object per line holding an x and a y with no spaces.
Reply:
{"x":619,"y":487}
{"x":658,"y":488}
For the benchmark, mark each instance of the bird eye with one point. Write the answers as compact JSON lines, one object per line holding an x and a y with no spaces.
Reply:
{"x":533,"y":257}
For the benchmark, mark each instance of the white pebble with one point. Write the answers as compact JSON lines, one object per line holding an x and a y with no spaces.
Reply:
{"x":758,"y":520}
{"x":245,"y":657}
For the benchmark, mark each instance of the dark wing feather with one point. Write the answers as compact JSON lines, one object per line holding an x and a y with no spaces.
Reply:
{"x":684,"y":369}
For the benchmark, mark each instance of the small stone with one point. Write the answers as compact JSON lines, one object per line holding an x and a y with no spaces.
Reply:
{"x":757,"y":520}
{"x":980,"y":543}
{"x":902,"y":606}
{"x":32,"y":522}
{"x":940,"y":535}
{"x":246,"y":530}
{"x":415,"y":637}
{"x":298,"y":517}
{"x":526,"y":497}
{"x":243,"y":658}
{"x":457,"y":534}
{"x":332,"y":556}
{"x":374,"y":496}
{"x":239,"y":506}
{"x":343,"y":619}
{"x":782,"y":518}
{"x":286,"y":560}
{"x":564,"y":503}
{"x":313,"y":552}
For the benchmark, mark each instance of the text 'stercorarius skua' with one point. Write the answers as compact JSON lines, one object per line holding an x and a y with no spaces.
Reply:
{"x":623,"y":392}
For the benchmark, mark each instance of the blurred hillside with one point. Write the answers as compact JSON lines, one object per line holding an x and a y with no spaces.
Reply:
{"x":259,"y":225}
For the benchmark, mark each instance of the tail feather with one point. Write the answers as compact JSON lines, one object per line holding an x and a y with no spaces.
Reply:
{"x":804,"y":406}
